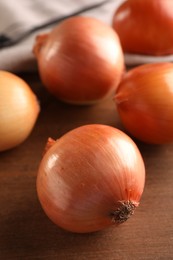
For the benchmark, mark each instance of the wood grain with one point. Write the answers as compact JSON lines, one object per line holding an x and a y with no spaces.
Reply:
{"x":27,"y":233}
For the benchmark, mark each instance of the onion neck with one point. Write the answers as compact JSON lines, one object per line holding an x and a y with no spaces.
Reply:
{"x":40,"y":41}
{"x":123,"y":212}
{"x":49,"y":144}
{"x":120,"y":98}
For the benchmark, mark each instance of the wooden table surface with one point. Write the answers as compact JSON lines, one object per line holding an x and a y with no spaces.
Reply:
{"x":27,"y":233}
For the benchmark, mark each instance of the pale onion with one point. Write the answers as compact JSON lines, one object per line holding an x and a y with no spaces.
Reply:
{"x":80,"y":61}
{"x":145,"y":26}
{"x":91,"y":178}
{"x":144,"y":100}
{"x":18,"y":110}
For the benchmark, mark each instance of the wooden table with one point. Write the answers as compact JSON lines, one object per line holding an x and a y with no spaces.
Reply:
{"x":27,"y":233}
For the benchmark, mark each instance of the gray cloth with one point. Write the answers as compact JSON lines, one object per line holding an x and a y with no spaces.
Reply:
{"x":23,"y":14}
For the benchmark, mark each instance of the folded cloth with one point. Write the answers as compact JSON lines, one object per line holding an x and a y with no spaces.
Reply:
{"x":25,"y":14}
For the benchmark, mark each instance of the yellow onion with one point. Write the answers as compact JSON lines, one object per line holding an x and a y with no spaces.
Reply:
{"x":91,"y":178}
{"x":145,"y":26}
{"x":80,"y":61}
{"x":144,"y":101}
{"x":19,"y":110}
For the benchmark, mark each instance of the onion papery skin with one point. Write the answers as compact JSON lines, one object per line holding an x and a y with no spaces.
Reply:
{"x":80,"y":61}
{"x":144,"y":101}
{"x":145,"y":26}
{"x":91,"y":178}
{"x":19,"y":110}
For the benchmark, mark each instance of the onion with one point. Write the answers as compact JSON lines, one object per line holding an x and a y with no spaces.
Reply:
{"x":80,"y":61}
{"x":144,"y":101}
{"x":18,"y":110}
{"x":145,"y":26}
{"x":91,"y":178}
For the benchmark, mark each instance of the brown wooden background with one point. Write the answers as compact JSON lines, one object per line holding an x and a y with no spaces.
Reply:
{"x":25,"y":231}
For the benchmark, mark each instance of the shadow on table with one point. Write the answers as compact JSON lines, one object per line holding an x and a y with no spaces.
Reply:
{"x":28,"y":233}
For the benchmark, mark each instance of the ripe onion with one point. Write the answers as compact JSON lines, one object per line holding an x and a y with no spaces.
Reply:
{"x":144,"y":100}
{"x":80,"y":61}
{"x":145,"y":26}
{"x":18,"y":110}
{"x":91,"y":178}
